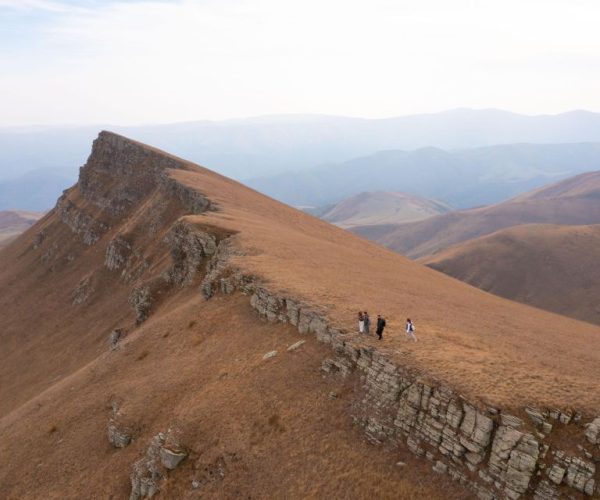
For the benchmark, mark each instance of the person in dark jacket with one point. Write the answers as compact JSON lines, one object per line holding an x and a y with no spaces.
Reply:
{"x":367,"y":321}
{"x":380,"y":326}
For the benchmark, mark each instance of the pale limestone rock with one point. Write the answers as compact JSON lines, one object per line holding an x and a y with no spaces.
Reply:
{"x":296,"y":345}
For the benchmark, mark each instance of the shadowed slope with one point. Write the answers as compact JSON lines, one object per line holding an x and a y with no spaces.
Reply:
{"x":551,"y":267}
{"x":573,"y":201}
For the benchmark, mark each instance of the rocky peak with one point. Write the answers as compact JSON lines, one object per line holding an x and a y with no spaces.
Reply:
{"x":120,"y":172}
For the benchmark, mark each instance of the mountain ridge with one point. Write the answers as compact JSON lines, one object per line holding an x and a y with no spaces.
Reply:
{"x":167,"y":299}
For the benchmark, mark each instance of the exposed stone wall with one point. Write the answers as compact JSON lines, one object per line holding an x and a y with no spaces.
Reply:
{"x":135,"y":170}
{"x":491,"y":451}
{"x":79,"y":222}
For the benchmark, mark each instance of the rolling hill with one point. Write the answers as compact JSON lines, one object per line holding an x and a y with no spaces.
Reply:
{"x":574,"y":201}
{"x":14,"y":222}
{"x":547,"y":266}
{"x":381,"y":207}
{"x":166,"y":330}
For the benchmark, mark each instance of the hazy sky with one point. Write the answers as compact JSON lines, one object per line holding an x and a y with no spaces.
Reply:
{"x":129,"y":62}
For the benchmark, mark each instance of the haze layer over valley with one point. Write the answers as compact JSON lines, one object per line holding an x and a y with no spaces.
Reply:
{"x":295,"y":158}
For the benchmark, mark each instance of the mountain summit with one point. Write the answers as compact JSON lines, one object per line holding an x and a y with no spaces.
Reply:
{"x":166,"y":330}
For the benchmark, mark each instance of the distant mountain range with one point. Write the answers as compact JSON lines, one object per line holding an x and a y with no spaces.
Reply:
{"x":461,"y":178}
{"x":382,"y":207}
{"x":267,"y":146}
{"x":574,"y":201}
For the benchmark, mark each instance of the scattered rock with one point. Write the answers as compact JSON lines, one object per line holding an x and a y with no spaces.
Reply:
{"x":440,"y":467}
{"x":118,"y":436}
{"x":141,"y":301}
{"x":270,"y":354}
{"x":401,"y":464}
{"x":114,"y":338}
{"x":170,"y":458}
{"x":333,"y":395}
{"x":153,"y":467}
{"x":592,"y":431}
{"x":83,"y":291}
{"x":295,"y":346}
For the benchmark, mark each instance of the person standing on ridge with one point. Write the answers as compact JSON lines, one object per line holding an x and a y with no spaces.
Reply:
{"x":380,"y":326}
{"x":410,"y":330}
{"x":361,"y":322}
{"x":367,"y":321}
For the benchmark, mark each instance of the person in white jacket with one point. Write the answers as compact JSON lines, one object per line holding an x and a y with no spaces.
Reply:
{"x":410,"y":330}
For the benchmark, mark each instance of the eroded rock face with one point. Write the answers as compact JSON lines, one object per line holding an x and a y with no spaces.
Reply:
{"x":141,"y":301}
{"x":118,"y":435}
{"x":117,"y":253}
{"x":190,"y":247}
{"x":164,"y":453}
{"x":114,"y":338}
{"x":493,"y":453}
{"x":79,"y":222}
{"x":592,"y":432}
{"x":83,"y":291}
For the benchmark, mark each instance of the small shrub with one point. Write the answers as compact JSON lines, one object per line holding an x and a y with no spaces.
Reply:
{"x":192,"y":324}
{"x":142,"y":355}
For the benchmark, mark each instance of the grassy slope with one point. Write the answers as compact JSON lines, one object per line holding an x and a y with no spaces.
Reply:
{"x":208,"y":378}
{"x":547,"y":266}
{"x":382,"y":207}
{"x":573,"y":201}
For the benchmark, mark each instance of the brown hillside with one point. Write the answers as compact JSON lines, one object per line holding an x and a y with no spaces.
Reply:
{"x":547,"y":266}
{"x":573,"y":201}
{"x":382,"y":207}
{"x":14,"y":222}
{"x":132,"y":246}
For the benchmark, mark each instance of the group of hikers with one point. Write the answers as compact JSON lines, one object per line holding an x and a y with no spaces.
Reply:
{"x":364,"y":324}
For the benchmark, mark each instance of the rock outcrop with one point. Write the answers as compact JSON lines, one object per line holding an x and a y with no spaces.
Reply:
{"x":491,"y":451}
{"x":163,"y":454}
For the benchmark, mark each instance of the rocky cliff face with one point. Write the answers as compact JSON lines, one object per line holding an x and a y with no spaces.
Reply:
{"x":541,"y":453}
{"x":129,"y":211}
{"x":128,"y":206}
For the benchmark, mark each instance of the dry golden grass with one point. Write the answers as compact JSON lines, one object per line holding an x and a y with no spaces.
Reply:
{"x":572,"y":201}
{"x":506,"y":353}
{"x":547,"y":266}
{"x":269,"y":425}
{"x":198,"y":364}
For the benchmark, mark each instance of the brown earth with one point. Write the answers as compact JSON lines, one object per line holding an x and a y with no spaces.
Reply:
{"x":547,"y":266}
{"x":575,"y":201}
{"x":382,"y":207}
{"x":197,"y":365}
{"x":14,"y":222}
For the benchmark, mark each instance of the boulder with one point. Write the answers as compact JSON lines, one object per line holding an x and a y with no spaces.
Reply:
{"x":118,"y":436}
{"x":115,"y":337}
{"x":171,"y":458}
{"x":592,"y":431}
